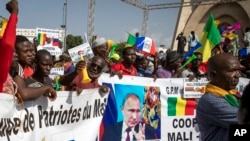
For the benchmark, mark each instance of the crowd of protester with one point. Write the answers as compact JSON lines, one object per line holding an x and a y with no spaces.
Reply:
{"x":25,"y":73}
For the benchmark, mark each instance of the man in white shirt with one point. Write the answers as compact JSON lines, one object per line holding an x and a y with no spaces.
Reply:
{"x":247,"y":37}
{"x":192,"y":40}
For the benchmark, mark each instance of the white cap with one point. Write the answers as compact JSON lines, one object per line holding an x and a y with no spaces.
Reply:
{"x":98,"y":42}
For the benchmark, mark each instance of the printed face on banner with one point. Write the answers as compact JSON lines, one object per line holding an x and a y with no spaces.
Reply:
{"x":83,"y":51}
{"x":135,"y":105}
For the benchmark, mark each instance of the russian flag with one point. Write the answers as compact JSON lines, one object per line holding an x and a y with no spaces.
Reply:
{"x":146,"y":44}
{"x":244,"y":51}
{"x":55,"y":42}
{"x":110,"y":115}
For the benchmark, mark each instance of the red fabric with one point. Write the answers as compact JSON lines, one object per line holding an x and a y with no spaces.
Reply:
{"x":121,"y":67}
{"x":67,"y":66}
{"x":27,"y":71}
{"x":202,"y":67}
{"x":79,"y":84}
{"x":7,"y":48}
{"x":8,"y":87}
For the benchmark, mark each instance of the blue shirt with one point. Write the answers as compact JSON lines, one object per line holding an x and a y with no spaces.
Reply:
{"x":144,"y":73}
{"x":214,"y":116}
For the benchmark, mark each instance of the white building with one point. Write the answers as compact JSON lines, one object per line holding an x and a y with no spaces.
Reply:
{"x":31,"y":33}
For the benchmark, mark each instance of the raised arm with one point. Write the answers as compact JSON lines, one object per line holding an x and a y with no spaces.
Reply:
{"x":7,"y":42}
{"x":33,"y":93}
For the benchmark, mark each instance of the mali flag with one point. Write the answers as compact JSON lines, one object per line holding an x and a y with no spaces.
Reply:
{"x":210,"y":37}
{"x":41,"y":38}
{"x":131,"y":40}
{"x":4,"y":24}
{"x":111,"y":113}
{"x":178,"y":106}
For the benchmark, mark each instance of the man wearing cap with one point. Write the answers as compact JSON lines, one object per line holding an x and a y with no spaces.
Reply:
{"x":100,"y":48}
{"x":173,"y":62}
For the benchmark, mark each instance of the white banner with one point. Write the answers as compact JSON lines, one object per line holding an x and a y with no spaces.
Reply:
{"x":69,"y":117}
{"x":173,"y":116}
{"x":75,"y":118}
{"x":48,"y":39}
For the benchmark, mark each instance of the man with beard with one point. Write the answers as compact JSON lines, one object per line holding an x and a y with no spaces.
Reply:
{"x":95,"y":68}
{"x":217,"y":108}
{"x":126,"y":66}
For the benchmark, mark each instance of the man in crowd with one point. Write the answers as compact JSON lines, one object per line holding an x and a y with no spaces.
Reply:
{"x":94,"y":69}
{"x":125,"y":67}
{"x":25,"y":52}
{"x":244,"y":107}
{"x":217,"y":108}
{"x":44,"y":63}
{"x":170,"y":69}
{"x":143,"y":68}
{"x":39,"y":83}
{"x":194,"y":69}
{"x":181,"y":43}
{"x":246,"y":37}
{"x":130,"y":128}
{"x":100,"y":48}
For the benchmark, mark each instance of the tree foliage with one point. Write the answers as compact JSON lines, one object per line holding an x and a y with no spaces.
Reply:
{"x":73,"y":41}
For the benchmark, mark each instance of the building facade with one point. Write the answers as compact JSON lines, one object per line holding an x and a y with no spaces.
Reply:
{"x":31,"y":33}
{"x":193,"y":18}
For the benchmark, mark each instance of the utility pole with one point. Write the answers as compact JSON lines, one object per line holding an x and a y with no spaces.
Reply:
{"x":64,"y":26}
{"x":91,"y":18}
